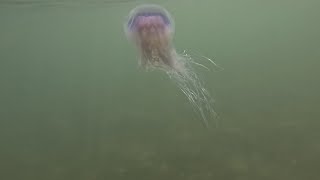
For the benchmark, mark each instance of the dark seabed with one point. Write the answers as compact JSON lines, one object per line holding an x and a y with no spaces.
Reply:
{"x":75,"y":106}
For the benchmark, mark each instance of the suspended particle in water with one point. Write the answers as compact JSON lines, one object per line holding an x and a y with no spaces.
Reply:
{"x":151,"y":29}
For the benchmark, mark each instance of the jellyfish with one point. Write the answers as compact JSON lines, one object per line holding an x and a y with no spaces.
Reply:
{"x":151,"y":29}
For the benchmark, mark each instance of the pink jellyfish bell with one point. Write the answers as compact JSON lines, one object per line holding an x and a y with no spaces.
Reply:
{"x":151,"y":28}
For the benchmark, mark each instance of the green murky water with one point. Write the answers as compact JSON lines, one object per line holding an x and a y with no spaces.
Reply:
{"x":75,"y":105}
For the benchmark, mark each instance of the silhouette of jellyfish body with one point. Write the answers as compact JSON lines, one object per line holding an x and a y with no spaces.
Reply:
{"x":151,"y":29}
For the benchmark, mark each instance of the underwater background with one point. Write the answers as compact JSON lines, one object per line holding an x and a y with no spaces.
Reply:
{"x":74,"y":105}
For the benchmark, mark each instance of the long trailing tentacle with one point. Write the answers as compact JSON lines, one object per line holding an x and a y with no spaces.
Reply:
{"x":193,"y":88}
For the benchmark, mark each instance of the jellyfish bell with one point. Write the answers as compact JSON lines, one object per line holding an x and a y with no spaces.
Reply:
{"x":151,"y":28}
{"x":147,"y":18}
